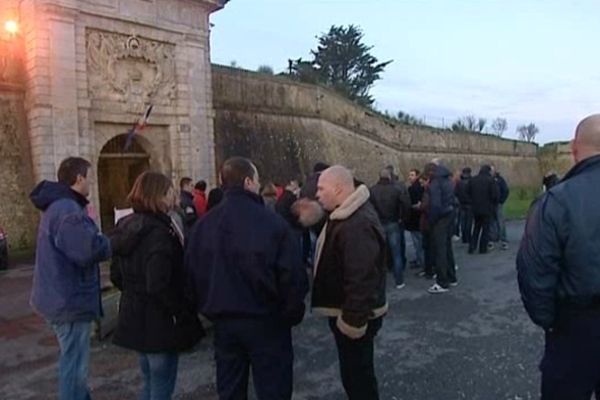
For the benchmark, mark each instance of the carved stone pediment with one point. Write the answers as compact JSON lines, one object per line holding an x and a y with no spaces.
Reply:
{"x":130,"y":68}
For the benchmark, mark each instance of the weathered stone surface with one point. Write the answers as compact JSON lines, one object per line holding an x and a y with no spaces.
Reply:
{"x":556,"y":157}
{"x":286,"y":126}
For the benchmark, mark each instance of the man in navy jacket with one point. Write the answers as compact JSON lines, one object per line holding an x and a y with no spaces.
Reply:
{"x":66,"y":278}
{"x":246,"y":275}
{"x":559,"y":272}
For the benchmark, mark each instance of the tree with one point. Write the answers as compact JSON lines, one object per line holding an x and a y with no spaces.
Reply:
{"x":499,"y":126}
{"x":343,"y":62}
{"x":469,"y":124}
{"x":527,"y":132}
{"x":265,"y":69}
{"x":408,"y":119}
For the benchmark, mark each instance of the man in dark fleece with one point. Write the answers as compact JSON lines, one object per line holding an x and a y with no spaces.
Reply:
{"x":483,"y":191}
{"x":440,"y":214}
{"x":66,"y":276}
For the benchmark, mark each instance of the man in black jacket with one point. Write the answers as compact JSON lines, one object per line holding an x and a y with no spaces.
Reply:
{"x":440,"y":214}
{"x":466,"y":212}
{"x":392,"y":204}
{"x":559,"y":272}
{"x":349,"y":284}
{"x":498,"y":225}
{"x":186,"y":202}
{"x":246,"y":274}
{"x":483,"y":191}
{"x":415,"y":191}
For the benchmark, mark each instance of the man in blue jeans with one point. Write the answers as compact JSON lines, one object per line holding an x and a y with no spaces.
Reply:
{"x":392,"y":204}
{"x":66,"y":278}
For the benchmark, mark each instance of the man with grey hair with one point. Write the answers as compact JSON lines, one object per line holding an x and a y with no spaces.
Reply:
{"x":349,"y":283}
{"x":392,"y":203}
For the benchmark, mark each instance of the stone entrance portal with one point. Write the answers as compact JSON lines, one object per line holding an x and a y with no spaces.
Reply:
{"x":117,"y":171}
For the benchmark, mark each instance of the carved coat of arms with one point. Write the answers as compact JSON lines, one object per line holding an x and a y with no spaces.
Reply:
{"x":130,"y":68}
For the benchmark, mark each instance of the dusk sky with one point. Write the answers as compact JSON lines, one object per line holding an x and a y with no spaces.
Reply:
{"x":526,"y":61}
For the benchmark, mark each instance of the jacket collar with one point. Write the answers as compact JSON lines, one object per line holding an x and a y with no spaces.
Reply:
{"x":237,"y":192}
{"x":359,"y":197}
{"x":581,"y":166}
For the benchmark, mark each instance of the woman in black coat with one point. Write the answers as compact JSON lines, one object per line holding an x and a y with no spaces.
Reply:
{"x":154,"y":317}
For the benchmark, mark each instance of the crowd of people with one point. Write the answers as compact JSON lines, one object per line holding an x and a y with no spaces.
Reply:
{"x":243,"y":257}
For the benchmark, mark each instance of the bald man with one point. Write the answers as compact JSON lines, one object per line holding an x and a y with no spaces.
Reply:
{"x":349,"y":283}
{"x":559,"y":272}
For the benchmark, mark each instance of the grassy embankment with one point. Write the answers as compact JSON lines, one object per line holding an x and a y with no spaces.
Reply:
{"x":518,"y":202}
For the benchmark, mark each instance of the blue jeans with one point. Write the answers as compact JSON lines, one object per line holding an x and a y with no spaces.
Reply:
{"x":74,"y":342}
{"x":417,"y":239}
{"x":160,"y":373}
{"x":394,"y":236}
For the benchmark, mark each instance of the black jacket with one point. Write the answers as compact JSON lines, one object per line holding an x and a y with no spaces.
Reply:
{"x":483,"y":191}
{"x":559,"y":258}
{"x":147,"y":267}
{"x":391,"y":201}
{"x":415,"y":192}
{"x":461,"y":190}
{"x":189,"y":210}
{"x":243,"y":260}
{"x":503,"y":190}
{"x":350,"y":272}
{"x":441,"y":195}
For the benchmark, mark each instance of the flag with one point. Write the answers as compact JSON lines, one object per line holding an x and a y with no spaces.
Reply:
{"x":138,"y":127}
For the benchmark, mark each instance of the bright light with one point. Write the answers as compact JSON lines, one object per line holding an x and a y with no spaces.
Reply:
{"x":11,"y":27}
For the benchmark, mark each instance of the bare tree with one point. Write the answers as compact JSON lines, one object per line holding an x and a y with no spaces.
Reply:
{"x":527,"y":132}
{"x":499,"y":126}
{"x":481,"y":124}
{"x":469,"y":123}
{"x":265,"y":69}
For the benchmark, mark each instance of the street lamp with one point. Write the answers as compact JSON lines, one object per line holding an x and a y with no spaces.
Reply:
{"x":11,"y":26}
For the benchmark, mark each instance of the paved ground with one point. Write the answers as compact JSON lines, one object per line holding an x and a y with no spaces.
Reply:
{"x":473,"y":343}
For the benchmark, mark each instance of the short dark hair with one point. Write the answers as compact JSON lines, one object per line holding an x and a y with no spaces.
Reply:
{"x":416,"y":171}
{"x":200,"y":185}
{"x":70,"y":168}
{"x":184,"y":182}
{"x":320,"y":166}
{"x":466,"y":170}
{"x":235,"y":171}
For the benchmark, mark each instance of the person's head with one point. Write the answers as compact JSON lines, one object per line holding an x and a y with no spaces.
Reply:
{"x":413,"y":175}
{"x":390,"y":168}
{"x":152,"y":192}
{"x":320,"y":167}
{"x":385,"y":174}
{"x":239,"y":172}
{"x":466,"y":171}
{"x":335,"y":185}
{"x":269,"y":190}
{"x":586,"y":142}
{"x":185,"y":184}
{"x":293,"y":186}
{"x":73,"y":172}
{"x":485,"y":170}
{"x":429,"y":170}
{"x":200,"y":186}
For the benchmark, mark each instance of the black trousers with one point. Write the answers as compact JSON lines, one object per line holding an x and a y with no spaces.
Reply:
{"x":441,"y":243}
{"x":570,"y":367}
{"x":466,"y":223}
{"x":482,"y":226}
{"x":357,"y":367}
{"x":265,"y":345}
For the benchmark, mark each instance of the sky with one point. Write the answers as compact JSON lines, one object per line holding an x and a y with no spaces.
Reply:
{"x":523,"y":60}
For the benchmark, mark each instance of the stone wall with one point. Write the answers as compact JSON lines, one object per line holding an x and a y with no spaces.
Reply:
{"x":286,"y":126}
{"x":17,"y":215}
{"x":556,"y":157}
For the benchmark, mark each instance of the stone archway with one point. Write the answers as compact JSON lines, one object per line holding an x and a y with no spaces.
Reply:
{"x":117,"y":171}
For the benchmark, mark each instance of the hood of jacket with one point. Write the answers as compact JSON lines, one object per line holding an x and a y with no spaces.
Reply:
{"x":130,"y":231}
{"x":47,"y":192}
{"x":442,"y":172}
{"x":359,"y":197}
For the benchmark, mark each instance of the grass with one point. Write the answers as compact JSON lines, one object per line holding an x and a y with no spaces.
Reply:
{"x":518,"y":202}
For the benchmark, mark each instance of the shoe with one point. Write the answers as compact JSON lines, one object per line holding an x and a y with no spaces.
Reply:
{"x":435,"y":289}
{"x":455,"y":238}
{"x":401,"y":286}
{"x":504,"y":246}
{"x":454,"y":284}
{"x":490,"y":246}
{"x":456,"y":267}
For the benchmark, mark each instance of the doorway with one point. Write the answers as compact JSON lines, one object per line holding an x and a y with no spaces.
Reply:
{"x":117,"y":171}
